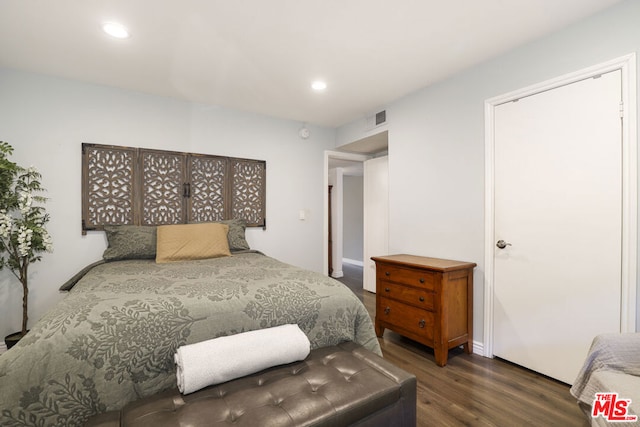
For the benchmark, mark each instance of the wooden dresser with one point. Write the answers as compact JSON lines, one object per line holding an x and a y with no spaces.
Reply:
{"x":429,"y":300}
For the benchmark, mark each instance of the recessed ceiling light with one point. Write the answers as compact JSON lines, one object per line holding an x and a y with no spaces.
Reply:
{"x":115,"y":30}
{"x":318,"y":85}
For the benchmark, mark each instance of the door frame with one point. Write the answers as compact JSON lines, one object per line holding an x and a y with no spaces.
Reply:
{"x":627,"y":65}
{"x":337,"y":239}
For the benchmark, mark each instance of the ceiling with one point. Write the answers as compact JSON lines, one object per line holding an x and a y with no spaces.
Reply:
{"x":262,"y":55}
{"x":348,"y":167}
{"x":373,"y":145}
{"x":369,"y":145}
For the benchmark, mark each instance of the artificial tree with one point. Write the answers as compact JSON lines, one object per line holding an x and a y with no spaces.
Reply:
{"x":23,"y":219}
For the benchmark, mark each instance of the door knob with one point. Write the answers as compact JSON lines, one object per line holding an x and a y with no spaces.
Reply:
{"x":502,"y":244}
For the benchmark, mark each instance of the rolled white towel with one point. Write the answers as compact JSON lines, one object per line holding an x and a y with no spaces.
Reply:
{"x":222,"y":359}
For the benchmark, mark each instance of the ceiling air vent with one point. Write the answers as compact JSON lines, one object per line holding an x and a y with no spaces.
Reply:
{"x":381,"y":117}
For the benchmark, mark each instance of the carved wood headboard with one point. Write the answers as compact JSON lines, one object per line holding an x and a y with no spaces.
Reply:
{"x":139,"y":186}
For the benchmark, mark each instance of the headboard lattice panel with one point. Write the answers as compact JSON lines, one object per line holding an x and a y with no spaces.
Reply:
{"x":208,"y":188}
{"x":108,"y":176}
{"x":126,"y":185}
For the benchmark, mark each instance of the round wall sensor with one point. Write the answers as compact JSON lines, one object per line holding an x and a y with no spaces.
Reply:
{"x":304,"y":133}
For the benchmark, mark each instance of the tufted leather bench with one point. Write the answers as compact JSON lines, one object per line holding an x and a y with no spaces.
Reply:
{"x":340,"y":385}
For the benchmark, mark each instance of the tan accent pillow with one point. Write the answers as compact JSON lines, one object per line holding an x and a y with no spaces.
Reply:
{"x":182,"y":242}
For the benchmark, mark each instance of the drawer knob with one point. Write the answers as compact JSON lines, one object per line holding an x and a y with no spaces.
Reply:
{"x":421,"y":299}
{"x":386,"y":273}
{"x":387,"y":310}
{"x":421,"y":323}
{"x":387,"y":289}
{"x":422,"y":280}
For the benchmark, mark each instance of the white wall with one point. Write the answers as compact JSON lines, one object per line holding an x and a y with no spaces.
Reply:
{"x":46,"y":119}
{"x":353,"y":217}
{"x":436,"y":139}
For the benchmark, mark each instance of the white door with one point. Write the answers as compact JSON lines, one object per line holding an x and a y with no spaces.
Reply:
{"x":376,"y":217}
{"x":558,"y":209}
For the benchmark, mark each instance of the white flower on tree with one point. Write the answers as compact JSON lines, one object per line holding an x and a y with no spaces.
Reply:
{"x":47,"y":241}
{"x":5,"y":224}
{"x":24,"y":240}
{"x":25,"y":200}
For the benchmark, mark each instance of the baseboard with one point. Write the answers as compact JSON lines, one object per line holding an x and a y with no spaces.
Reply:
{"x":478,"y":348}
{"x":3,"y":348}
{"x":353,"y":262}
{"x":337,"y":274}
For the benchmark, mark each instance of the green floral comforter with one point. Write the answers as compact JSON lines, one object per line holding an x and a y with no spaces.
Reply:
{"x":112,"y":339}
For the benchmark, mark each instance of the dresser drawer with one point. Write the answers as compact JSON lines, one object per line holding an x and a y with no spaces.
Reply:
{"x":415,"y":321}
{"x":420,"y":297}
{"x":407,"y":276}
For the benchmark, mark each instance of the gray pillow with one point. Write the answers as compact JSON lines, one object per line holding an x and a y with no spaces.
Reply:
{"x":236,"y":237}
{"x":130,"y":242}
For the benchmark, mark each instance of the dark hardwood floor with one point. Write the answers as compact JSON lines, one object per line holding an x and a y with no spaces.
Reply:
{"x":472,"y":390}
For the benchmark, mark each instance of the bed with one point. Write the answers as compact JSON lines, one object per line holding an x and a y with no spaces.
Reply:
{"x":113,"y":338}
{"x":612,"y":366}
